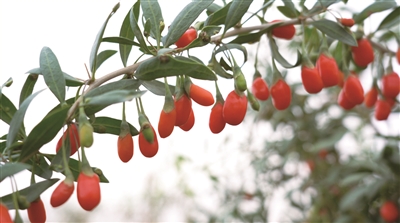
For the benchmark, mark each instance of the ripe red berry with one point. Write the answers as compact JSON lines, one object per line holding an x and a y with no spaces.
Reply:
{"x":281,"y":95}
{"x":235,"y":108}
{"x":183,"y":106}
{"x":382,"y":109}
{"x":217,"y":121}
{"x":88,"y":191}
{"x":148,"y":149}
{"x":260,"y":89}
{"x":328,"y":69}
{"x":323,"y":153}
{"x":125,"y":147}
{"x":354,"y":90}
{"x":187,"y":38}
{"x":190,"y":122}
{"x":347,"y":22}
{"x":363,"y":54}
{"x":371,"y":97}
{"x":398,"y":55}
{"x":36,"y":211}
{"x":72,"y":135}
{"x":62,"y":193}
{"x":391,"y":85}
{"x":344,"y":102}
{"x":4,"y":214}
{"x":200,"y":95}
{"x":389,"y":211}
{"x":166,"y":123}
{"x":311,"y":79}
{"x":284,"y":32}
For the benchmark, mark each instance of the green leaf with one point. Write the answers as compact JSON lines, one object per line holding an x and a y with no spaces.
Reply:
{"x":236,"y":12}
{"x":121,"y":40}
{"x":156,"y":87}
{"x":166,"y":65}
{"x":218,"y":17}
{"x":113,"y":97}
{"x":111,"y":126}
{"x":41,"y":167}
{"x":27,"y":89}
{"x":7,"y":109}
{"x":52,"y":73}
{"x":353,"y":179}
{"x":218,"y":69}
{"x":321,"y":5}
{"x":136,"y":30}
{"x":330,"y":141}
{"x":97,"y":42}
{"x":184,"y":19}
{"x":18,"y":118}
{"x":31,"y":193}
{"x":56,"y":162}
{"x":393,"y":19}
{"x":69,"y":80}
{"x":152,"y":11}
{"x":291,"y":10}
{"x":213,"y":8}
{"x":373,"y":8}
{"x":248,"y":38}
{"x":335,"y":31}
{"x":286,"y":11}
{"x":124,"y":84}
{"x":126,"y":33}
{"x":278,"y":57}
{"x":103,"y":56}
{"x":231,"y":46}
{"x":44,"y":132}
{"x":9,"y":169}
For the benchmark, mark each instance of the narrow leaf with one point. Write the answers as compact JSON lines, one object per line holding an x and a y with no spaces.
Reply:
{"x":113,"y":97}
{"x":137,"y":32}
{"x":125,"y":32}
{"x":27,"y":89}
{"x":335,"y":31}
{"x":152,"y":11}
{"x":321,"y":5}
{"x":120,"y":40}
{"x":9,"y":169}
{"x":291,"y":9}
{"x":7,"y":109}
{"x":218,"y":69}
{"x":231,"y":46}
{"x":52,"y":73}
{"x":127,"y":84}
{"x":41,"y":167}
{"x":156,"y":87}
{"x":69,"y":80}
{"x":184,"y":19}
{"x":393,"y":19}
{"x":111,"y":126}
{"x":218,"y":17}
{"x":373,"y":8}
{"x":103,"y":56}
{"x":236,"y":12}
{"x":278,"y":57}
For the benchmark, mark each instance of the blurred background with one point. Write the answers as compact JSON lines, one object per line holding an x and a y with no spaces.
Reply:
{"x":312,"y":162}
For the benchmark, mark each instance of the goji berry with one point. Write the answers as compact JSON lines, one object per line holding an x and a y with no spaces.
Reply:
{"x":4,"y":214}
{"x":323,"y":153}
{"x":36,"y":211}
{"x":281,"y":95}
{"x":166,"y":123}
{"x":389,"y":211}
{"x":284,"y":32}
{"x":189,"y":123}
{"x":328,"y":69}
{"x":187,"y":38}
{"x":260,"y":89}
{"x":235,"y":108}
{"x":217,"y":122}
{"x":311,"y":80}
{"x":183,"y":105}
{"x":86,"y":134}
{"x":398,"y":55}
{"x":371,"y":97}
{"x":382,"y":109}
{"x":354,"y":90}
{"x":200,"y":95}
{"x":344,"y":102}
{"x":62,"y":193}
{"x":391,"y":85}
{"x":72,"y":135}
{"x":347,"y":22}
{"x":363,"y":54}
{"x":125,"y":147}
{"x":146,"y":148}
{"x":88,"y":191}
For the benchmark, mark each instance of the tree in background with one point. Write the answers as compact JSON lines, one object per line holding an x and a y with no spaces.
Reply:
{"x":310,"y":116}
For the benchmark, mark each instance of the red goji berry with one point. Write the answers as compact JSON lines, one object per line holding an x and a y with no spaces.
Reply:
{"x":189,"y":123}
{"x":125,"y":147}
{"x":187,"y":38}
{"x":398,"y":55}
{"x":347,"y":22}
{"x":88,"y":191}
{"x":37,"y":212}
{"x":4,"y":214}
{"x":284,"y":32}
{"x":382,"y":109}
{"x":62,"y":193}
{"x":217,"y":121}
{"x":72,"y":135}
{"x":389,"y":211}
{"x":183,"y":105}
{"x":323,"y":153}
{"x":200,"y":95}
{"x":328,"y":69}
{"x":354,"y":90}
{"x":371,"y":97}
{"x":281,"y":95}
{"x":363,"y":54}
{"x":311,"y":80}
{"x":260,"y":89}
{"x":235,"y":108}
{"x":146,"y":148}
{"x":391,"y":85}
{"x":344,"y":102}
{"x":166,"y":123}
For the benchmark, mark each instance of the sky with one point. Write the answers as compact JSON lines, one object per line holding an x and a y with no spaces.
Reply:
{"x":69,"y":29}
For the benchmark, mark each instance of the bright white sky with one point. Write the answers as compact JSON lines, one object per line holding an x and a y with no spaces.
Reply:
{"x":69,"y":29}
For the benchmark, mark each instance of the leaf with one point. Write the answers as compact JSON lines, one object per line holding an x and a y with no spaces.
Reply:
{"x":321,"y":5}
{"x":152,"y":11}
{"x":27,"y":89}
{"x":248,"y":38}
{"x":218,"y":69}
{"x":290,"y":9}
{"x":286,"y":11}
{"x":373,"y":8}
{"x":213,"y":8}
{"x":97,"y":42}
{"x":7,"y":109}
{"x":127,"y":84}
{"x":111,"y":126}
{"x":121,"y":40}
{"x":103,"y":56}
{"x":52,"y":73}
{"x":74,"y":166}
{"x":41,"y":167}
{"x":353,"y":179}
{"x":113,"y":97}
{"x":327,"y":142}
{"x":166,"y":65}
{"x":69,"y":80}
{"x":393,"y":19}
{"x":354,"y":197}
{"x":136,"y":30}
{"x":335,"y":31}
{"x":9,"y":169}
{"x":126,"y":33}
{"x":18,"y":118}
{"x":56,"y":162}
{"x":278,"y":57}
{"x":44,"y":132}
{"x":31,"y":193}
{"x":235,"y":13}
{"x":184,"y":19}
{"x":218,"y":17}
{"x":157,"y":87}
{"x":230,"y":46}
